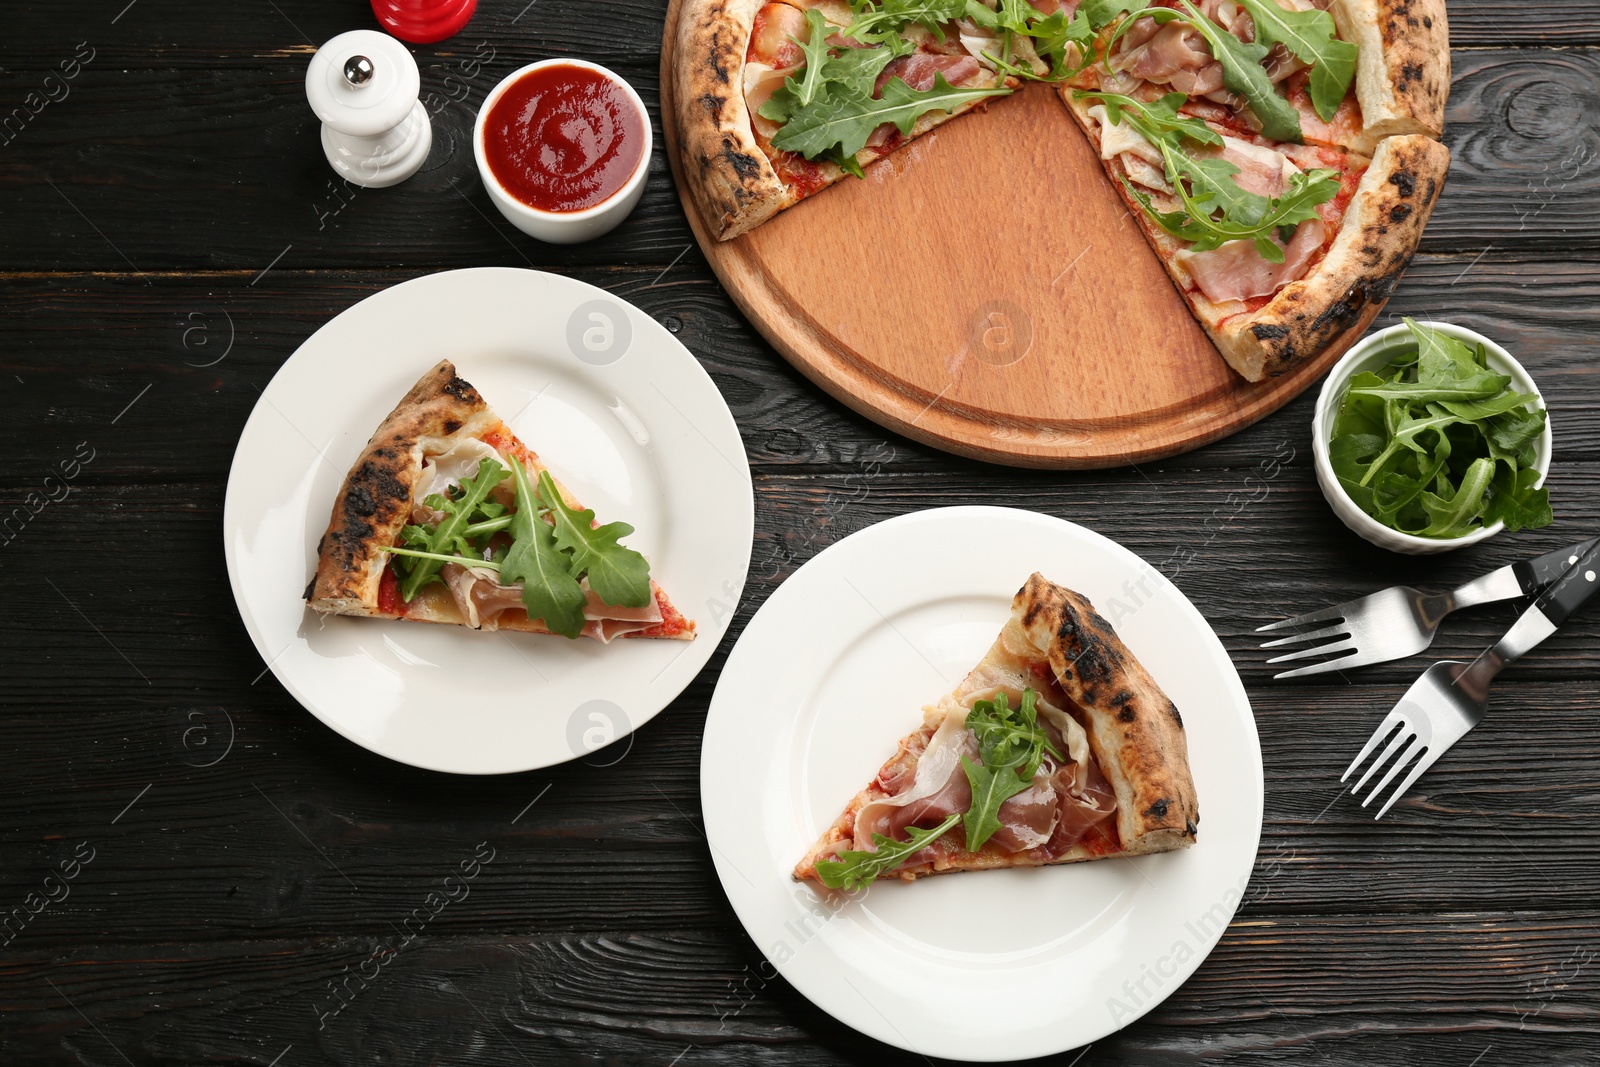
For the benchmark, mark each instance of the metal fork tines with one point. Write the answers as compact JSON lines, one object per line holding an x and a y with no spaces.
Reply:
{"x":1386,"y":625}
{"x":1422,"y":726}
{"x":1399,"y":622}
{"x":1451,"y":697}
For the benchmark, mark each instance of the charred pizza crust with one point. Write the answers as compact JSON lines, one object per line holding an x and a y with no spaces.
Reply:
{"x":1381,"y":229}
{"x":1403,"y":70}
{"x":1402,"y":83}
{"x":733,"y":183}
{"x":375,"y":501}
{"x":1134,"y":730}
{"x":374,"y":504}
{"x":729,"y":175}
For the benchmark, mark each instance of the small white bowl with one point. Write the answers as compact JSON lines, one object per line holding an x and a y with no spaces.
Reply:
{"x":1371,"y":354}
{"x":564,"y":227}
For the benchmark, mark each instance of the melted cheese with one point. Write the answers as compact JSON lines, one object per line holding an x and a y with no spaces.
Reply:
{"x":448,"y":469}
{"x":1117,"y":138}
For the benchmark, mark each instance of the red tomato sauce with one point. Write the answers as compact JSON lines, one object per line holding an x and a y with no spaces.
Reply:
{"x":563,"y":138}
{"x":389,"y":601}
{"x":502,"y":440}
{"x":672,"y":621}
{"x":801,"y":175}
{"x":1103,"y":839}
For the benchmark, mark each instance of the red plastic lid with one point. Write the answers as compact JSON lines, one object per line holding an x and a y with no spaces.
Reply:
{"x":423,"y":21}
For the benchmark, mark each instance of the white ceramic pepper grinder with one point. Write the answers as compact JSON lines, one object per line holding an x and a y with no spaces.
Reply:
{"x":363,"y":85}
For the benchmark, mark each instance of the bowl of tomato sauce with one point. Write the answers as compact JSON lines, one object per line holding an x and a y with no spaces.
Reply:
{"x":563,"y":147}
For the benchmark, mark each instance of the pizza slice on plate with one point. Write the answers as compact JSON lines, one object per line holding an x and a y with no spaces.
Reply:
{"x":1057,"y":747}
{"x":446,"y":517}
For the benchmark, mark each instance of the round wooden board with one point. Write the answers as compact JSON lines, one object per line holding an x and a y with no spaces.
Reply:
{"x":984,"y":290}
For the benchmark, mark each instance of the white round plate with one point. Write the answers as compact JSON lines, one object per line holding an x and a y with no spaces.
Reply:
{"x":621,"y":412}
{"x":997,"y":965}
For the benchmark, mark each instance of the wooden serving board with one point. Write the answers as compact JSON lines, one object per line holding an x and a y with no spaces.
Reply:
{"x":985,"y":291}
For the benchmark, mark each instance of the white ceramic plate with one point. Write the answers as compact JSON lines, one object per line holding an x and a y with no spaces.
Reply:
{"x":833,"y":671}
{"x":618,"y":409}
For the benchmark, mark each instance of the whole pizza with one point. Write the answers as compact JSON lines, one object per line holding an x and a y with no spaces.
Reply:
{"x":1281,"y":156}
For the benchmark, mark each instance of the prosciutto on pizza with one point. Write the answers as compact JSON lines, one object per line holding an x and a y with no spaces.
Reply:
{"x":1281,"y":156}
{"x":1057,"y":747}
{"x":447,"y":517}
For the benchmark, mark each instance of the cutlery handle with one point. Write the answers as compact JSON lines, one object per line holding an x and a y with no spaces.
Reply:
{"x":1555,"y":606}
{"x":1534,"y":574}
{"x":1573,"y":589}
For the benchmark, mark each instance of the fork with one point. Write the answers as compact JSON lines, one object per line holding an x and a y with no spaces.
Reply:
{"x":1451,"y":697}
{"x":1399,"y":622}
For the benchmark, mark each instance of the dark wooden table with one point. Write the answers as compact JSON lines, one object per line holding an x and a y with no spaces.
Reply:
{"x":169,"y":233}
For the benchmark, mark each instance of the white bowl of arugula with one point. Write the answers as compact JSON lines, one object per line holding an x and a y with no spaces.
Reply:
{"x":1430,"y":437}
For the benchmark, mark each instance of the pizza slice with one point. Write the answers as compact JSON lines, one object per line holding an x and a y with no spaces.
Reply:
{"x":1057,"y":747}
{"x":778,"y":100}
{"x":446,"y":517}
{"x":1281,"y":159}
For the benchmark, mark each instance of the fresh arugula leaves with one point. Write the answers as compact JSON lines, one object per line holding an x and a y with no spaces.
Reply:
{"x":1444,"y":370}
{"x":550,"y":588}
{"x":853,"y":71}
{"x":1243,"y":73}
{"x":1101,"y":13}
{"x":1011,"y":745}
{"x":839,"y":121}
{"x":873,"y":22}
{"x":815,"y":48}
{"x":854,"y":869}
{"x":830,"y":107}
{"x":981,"y":15}
{"x":1437,"y":445}
{"x":1514,"y":501}
{"x":1214,"y":208}
{"x":1065,"y":42}
{"x":834,"y":82}
{"x":549,"y":558}
{"x":1010,"y":737}
{"x":1216,"y":212}
{"x":1067,"y":45}
{"x":1313,"y":38}
{"x":990,"y":789}
{"x":1513,"y":434}
{"x":619,"y":575}
{"x":1157,"y":121}
{"x":1483,"y":409}
{"x":448,"y":537}
{"x":413,"y":553}
{"x":1452,"y":511}
{"x":1018,"y":16}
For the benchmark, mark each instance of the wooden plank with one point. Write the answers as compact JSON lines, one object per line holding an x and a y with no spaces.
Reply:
{"x":84,"y":346}
{"x":1235,"y":532}
{"x":119,"y":664}
{"x":291,"y":828}
{"x":165,"y":33}
{"x":121,"y":151}
{"x":1438,"y":988}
